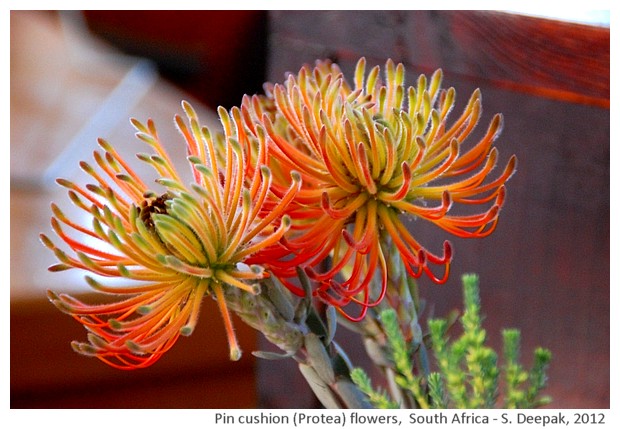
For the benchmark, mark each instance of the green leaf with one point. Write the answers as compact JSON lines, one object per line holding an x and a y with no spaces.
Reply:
{"x":436,"y":391}
{"x":280,"y":298}
{"x":319,"y":358}
{"x":351,"y":395}
{"x":332,"y":323}
{"x":271,"y":355}
{"x":322,"y":391}
{"x":377,"y":398}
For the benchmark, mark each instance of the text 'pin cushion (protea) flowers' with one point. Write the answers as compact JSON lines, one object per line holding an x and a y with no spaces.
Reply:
{"x":173,"y":247}
{"x":369,"y":155}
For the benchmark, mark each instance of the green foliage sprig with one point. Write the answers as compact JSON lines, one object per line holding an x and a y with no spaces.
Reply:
{"x":468,"y":373}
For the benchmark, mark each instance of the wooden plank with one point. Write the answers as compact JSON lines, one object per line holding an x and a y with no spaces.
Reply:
{"x":553,"y":59}
{"x":558,"y":59}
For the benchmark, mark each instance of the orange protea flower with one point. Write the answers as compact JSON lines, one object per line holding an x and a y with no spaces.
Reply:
{"x":368,"y":155}
{"x":173,"y":246}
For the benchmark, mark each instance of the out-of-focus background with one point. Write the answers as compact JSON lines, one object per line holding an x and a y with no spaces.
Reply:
{"x":76,"y":76}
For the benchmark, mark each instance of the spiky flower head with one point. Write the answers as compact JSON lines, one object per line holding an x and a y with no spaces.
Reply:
{"x":369,"y":156}
{"x":173,"y":247}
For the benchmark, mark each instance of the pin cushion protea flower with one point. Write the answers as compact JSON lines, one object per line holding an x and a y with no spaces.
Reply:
{"x":173,"y":247}
{"x":368,"y":155}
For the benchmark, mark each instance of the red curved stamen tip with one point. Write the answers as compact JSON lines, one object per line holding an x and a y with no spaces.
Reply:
{"x":422,"y":257}
{"x":446,"y":202}
{"x":447,"y":251}
{"x":325,"y":205}
{"x":493,"y":212}
{"x":419,"y":140}
{"x":349,"y":239}
{"x":406,"y":171}
{"x":501,"y":196}
{"x":512,"y":165}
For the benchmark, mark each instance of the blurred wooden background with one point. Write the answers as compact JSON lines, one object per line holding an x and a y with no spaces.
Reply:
{"x":545,"y":270}
{"x":66,"y":90}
